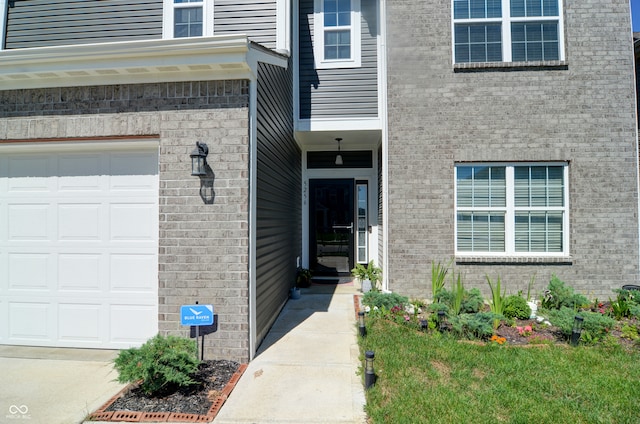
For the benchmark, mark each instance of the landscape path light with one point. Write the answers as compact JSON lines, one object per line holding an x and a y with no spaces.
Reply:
{"x":369,"y":373}
{"x":576,"y":331}
{"x":442,"y":321}
{"x":361,"y":324}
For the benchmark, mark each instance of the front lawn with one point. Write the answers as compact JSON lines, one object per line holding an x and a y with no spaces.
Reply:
{"x":426,"y":377}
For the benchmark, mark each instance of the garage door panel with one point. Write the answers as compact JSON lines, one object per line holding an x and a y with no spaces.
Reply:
{"x":133,"y":222}
{"x":78,"y":245}
{"x":30,"y":321}
{"x":29,"y":221}
{"x":30,"y":272}
{"x":80,"y":272}
{"x":80,"y":322}
{"x":79,"y":221}
{"x":133,"y":273}
{"x":129,"y":321}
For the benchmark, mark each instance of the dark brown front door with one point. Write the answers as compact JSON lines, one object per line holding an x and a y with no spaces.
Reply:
{"x":331,"y":210}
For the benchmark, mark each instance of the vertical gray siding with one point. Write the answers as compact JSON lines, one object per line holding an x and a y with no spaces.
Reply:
{"x":278,"y":196}
{"x":37,"y":23}
{"x":338,"y":92}
{"x":257,"y":19}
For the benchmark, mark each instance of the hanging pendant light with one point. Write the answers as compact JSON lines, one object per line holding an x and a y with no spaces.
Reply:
{"x":338,"y":156}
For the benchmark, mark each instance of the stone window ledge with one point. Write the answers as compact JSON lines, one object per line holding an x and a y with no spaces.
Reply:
{"x":513,"y":260}
{"x":543,"y":65}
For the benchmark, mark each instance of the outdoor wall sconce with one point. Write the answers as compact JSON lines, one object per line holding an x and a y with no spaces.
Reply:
{"x":361,"y":325}
{"x":199,"y":160}
{"x":576,"y":331}
{"x":338,"y":156}
{"x":369,"y":373}
{"x":442,"y":321}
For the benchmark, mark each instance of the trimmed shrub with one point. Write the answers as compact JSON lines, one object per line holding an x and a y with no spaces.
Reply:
{"x":384,"y":300}
{"x":470,"y":326}
{"x":595,"y":325}
{"x":162,"y":362}
{"x":516,"y":307}
{"x":559,"y":295}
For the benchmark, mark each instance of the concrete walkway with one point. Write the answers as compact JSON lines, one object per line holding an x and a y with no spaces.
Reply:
{"x":54,"y":385}
{"x":306,"y":368}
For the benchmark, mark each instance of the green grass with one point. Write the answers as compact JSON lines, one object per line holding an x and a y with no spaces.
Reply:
{"x":435,"y":379}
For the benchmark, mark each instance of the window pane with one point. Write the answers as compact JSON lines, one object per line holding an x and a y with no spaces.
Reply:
{"x":550,"y":7}
{"x":330,"y":6}
{"x":539,"y":186}
{"x":480,"y":232}
{"x":188,"y":22}
{"x":517,"y":8}
{"x":460,"y":9}
{"x":478,"y":43}
{"x":494,"y":8}
{"x":534,"y":8}
{"x":337,"y":44}
{"x":344,"y":18}
{"x":481,"y":186}
{"x":534,"y":41}
{"x":538,"y":232}
{"x":477,"y":9}
{"x":522,"y":8}
{"x":330,"y":19}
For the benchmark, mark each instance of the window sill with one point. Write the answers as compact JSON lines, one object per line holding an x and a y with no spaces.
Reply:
{"x":544,"y":65}
{"x":514,"y":260}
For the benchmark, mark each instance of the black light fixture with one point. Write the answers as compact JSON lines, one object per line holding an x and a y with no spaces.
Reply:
{"x":199,"y":160}
{"x":339,"y":156}
{"x":424,"y":324}
{"x":442,"y":321}
{"x":576,"y":331}
{"x":361,"y":325}
{"x":369,"y":373}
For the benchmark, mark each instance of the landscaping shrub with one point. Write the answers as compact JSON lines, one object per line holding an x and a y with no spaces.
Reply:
{"x":516,"y":307}
{"x":595,"y":326}
{"x":470,"y":326}
{"x":160,"y":363}
{"x":559,"y":295}
{"x":384,"y":300}
{"x":472,"y":300}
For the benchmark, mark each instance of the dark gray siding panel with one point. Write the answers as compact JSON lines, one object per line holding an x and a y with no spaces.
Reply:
{"x":257,"y":19}
{"x":278,"y":195}
{"x":326,"y":93}
{"x":37,"y":23}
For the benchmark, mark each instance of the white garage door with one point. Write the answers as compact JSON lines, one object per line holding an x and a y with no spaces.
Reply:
{"x":78,"y":244}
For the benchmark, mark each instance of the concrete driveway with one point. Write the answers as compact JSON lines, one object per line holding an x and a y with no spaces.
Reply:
{"x":54,"y":385}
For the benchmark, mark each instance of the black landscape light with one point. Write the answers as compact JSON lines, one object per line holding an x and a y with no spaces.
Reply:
{"x":576,"y":331}
{"x":424,"y":324}
{"x":361,"y":325}
{"x":369,"y":373}
{"x":199,"y":160}
{"x":442,"y":321}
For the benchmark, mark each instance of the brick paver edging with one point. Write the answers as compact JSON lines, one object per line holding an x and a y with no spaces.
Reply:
{"x":135,"y":416}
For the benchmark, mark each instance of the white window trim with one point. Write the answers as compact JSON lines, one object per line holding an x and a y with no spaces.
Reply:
{"x":510,"y":209}
{"x":506,"y":20}
{"x":318,"y":38}
{"x":169,"y":7}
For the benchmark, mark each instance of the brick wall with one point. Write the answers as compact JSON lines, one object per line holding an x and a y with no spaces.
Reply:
{"x":203,"y":248}
{"x":584,"y":114}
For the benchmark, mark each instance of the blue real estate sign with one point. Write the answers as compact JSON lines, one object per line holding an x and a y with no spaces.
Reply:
{"x":196,"y":315}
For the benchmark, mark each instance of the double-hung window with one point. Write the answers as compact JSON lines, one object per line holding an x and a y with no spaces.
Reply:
{"x":507,"y":31}
{"x":337,"y":33}
{"x":512,"y":210}
{"x":188,"y":18}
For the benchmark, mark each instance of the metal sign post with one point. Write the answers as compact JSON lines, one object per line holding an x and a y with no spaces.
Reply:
{"x":197,"y":316}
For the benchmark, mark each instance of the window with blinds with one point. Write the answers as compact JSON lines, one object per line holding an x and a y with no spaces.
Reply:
{"x":518,"y":209}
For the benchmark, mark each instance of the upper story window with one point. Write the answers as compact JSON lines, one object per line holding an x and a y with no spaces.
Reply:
{"x":512,"y":210}
{"x":188,"y":18}
{"x":337,"y":33}
{"x":507,"y":30}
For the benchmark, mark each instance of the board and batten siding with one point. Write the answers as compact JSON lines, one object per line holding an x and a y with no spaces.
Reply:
{"x":257,"y":19}
{"x":278,"y":208}
{"x":37,"y":23}
{"x":342,"y":92}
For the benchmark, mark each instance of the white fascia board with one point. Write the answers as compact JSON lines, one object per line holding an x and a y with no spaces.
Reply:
{"x":179,"y":59}
{"x":338,"y":124}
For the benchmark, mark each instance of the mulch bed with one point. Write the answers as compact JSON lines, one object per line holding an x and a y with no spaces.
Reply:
{"x":196,"y":403}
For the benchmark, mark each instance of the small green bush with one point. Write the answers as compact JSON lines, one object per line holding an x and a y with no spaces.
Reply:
{"x":160,"y":363}
{"x":594,"y":328}
{"x":559,"y":295}
{"x":516,"y":307}
{"x":472,"y":300}
{"x":471,"y":326}
{"x":384,"y":300}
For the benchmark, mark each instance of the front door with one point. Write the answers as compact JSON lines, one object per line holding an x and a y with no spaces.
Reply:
{"x":331,"y":210}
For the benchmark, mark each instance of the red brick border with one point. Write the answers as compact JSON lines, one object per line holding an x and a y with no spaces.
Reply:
{"x":135,"y":416}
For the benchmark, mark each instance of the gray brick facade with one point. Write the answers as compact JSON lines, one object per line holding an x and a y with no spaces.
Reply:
{"x":203,"y":248}
{"x":582,"y":112}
